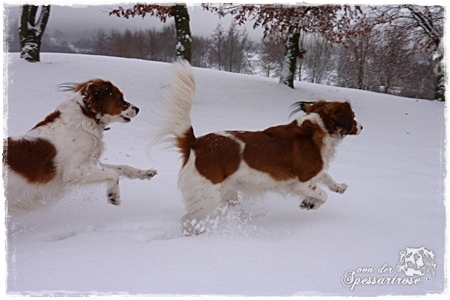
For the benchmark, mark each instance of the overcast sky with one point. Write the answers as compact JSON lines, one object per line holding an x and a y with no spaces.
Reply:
{"x":72,"y":18}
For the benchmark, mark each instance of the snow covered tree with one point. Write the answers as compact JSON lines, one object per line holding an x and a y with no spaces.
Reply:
{"x":290,"y":58}
{"x":430,"y":22}
{"x":31,"y":30}
{"x":425,"y":24}
{"x":181,"y":16}
{"x":178,"y":11}
{"x":288,"y":21}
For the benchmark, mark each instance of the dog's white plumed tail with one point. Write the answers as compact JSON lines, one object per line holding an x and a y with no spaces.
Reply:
{"x":176,"y":120}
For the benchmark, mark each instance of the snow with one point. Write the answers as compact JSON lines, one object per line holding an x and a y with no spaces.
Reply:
{"x":268,"y":247}
{"x":180,"y":47}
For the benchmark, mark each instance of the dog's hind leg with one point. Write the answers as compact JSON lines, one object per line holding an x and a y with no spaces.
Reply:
{"x":200,"y":196}
{"x":201,"y":200}
{"x":230,"y":197}
{"x":200,"y":207}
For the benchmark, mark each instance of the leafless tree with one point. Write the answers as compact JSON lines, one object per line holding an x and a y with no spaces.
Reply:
{"x":331,"y":21}
{"x":178,"y":11}
{"x":201,"y":47}
{"x":217,"y":53}
{"x":390,"y":58}
{"x":271,"y":56}
{"x":426,"y":25}
{"x":319,"y":57}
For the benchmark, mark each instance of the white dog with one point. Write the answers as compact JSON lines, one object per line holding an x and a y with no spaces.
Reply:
{"x":290,"y":158}
{"x":65,"y":148}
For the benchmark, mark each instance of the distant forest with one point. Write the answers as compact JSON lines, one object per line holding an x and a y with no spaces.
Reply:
{"x":385,"y":62}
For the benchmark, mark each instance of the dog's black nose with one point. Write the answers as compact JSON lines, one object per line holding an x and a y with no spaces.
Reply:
{"x":136,"y":109}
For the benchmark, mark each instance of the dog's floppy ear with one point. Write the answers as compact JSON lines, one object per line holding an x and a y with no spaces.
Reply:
{"x":300,"y":106}
{"x":343,"y":116}
{"x":67,"y":87}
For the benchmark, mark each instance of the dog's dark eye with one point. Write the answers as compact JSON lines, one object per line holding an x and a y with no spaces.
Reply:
{"x":104,"y":93}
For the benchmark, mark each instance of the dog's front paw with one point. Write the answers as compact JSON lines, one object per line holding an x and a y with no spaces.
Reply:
{"x":340,"y":188}
{"x":113,"y":197}
{"x":146,"y":174}
{"x":150,"y":173}
{"x":309,"y":204}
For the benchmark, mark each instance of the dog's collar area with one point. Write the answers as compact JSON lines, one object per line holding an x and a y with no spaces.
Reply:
{"x":88,"y":113}
{"x":91,"y":115}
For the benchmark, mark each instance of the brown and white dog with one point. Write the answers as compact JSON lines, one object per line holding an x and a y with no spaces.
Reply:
{"x":64,"y":149}
{"x":290,"y":158}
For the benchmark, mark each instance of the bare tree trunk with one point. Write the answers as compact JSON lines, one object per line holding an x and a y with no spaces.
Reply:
{"x":301,"y":52}
{"x":31,"y":31}
{"x":439,"y":93}
{"x":184,"y":39}
{"x":290,"y":59}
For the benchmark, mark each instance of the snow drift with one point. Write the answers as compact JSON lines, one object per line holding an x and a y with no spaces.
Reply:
{"x":351,"y":246}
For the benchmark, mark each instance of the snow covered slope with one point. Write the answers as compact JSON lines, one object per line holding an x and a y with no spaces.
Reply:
{"x":83,"y":245}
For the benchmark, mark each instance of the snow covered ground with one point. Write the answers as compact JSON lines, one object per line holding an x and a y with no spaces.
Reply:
{"x":83,"y":245}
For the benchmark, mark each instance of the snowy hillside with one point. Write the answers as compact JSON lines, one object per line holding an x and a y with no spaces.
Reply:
{"x":83,"y":245}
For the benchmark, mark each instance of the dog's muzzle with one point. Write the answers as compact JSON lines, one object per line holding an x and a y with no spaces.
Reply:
{"x":129,"y":113}
{"x":357,"y":127}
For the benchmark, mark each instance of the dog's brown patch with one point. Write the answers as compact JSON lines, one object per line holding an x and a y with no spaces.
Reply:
{"x":185,"y":143}
{"x":285,"y":151}
{"x":33,"y":159}
{"x":49,"y":119}
{"x":217,"y":156}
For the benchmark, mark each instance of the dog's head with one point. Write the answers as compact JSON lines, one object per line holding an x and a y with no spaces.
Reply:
{"x":338,"y":117}
{"x":104,"y":101}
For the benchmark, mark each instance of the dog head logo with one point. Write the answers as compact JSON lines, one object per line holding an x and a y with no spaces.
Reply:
{"x":416,"y":262}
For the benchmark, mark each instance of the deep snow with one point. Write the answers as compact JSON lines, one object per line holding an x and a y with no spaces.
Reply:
{"x":83,"y":245}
